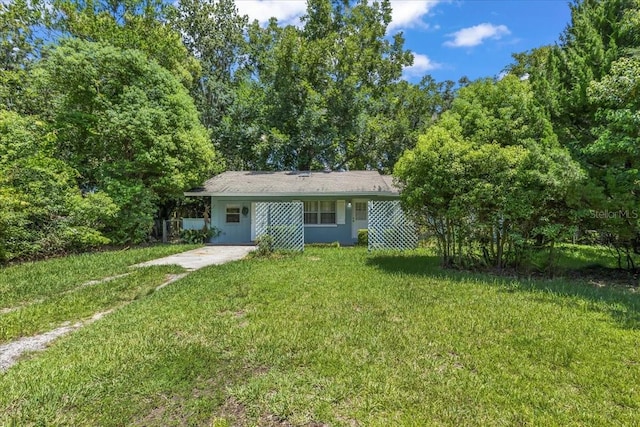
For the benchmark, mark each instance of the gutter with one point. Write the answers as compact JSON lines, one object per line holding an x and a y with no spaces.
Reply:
{"x":343,"y":195}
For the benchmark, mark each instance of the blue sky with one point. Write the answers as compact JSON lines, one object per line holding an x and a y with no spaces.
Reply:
{"x":451,"y":39}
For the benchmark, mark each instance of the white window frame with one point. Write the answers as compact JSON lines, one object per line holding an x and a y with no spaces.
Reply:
{"x":317,"y":211}
{"x":309,"y":211}
{"x":356,"y":211}
{"x":227,"y":213}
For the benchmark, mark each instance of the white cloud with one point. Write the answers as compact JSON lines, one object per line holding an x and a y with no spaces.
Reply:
{"x":473,"y":36}
{"x":286,"y":11}
{"x":421,"y":64}
{"x":406,"y":13}
{"x":502,"y":74}
{"x":409,"y":13}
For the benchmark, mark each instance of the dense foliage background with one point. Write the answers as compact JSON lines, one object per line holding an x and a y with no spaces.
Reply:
{"x":110,"y":109}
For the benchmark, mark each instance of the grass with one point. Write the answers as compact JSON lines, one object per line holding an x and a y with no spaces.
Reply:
{"x":341,"y":337}
{"x":24,"y":283}
{"x":39,"y":296}
{"x":574,"y":257}
{"x":81,"y":302}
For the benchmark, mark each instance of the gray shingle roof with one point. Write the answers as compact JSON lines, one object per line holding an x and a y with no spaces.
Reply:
{"x":389,"y":180}
{"x":296,"y":184}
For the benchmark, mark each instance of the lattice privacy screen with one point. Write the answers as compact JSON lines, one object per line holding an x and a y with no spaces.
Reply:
{"x":284,"y":222}
{"x":389,"y":228}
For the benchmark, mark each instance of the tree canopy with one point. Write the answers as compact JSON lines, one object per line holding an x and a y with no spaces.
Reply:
{"x":489,"y":177}
{"x":110,"y":110}
{"x":326,"y":95}
{"x":323,"y":86}
{"x":43,"y":210}
{"x":587,"y":84}
{"x":128,"y":126}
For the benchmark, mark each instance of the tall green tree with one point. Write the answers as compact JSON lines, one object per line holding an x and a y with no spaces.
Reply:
{"x":43,"y":210}
{"x":322,"y":84}
{"x":396,"y":119}
{"x":490,"y":179}
{"x":615,"y":155}
{"x":19,"y":47}
{"x":130,"y":24}
{"x":600,"y":32}
{"x":575,"y":81}
{"x":213,"y":32}
{"x":128,"y":126}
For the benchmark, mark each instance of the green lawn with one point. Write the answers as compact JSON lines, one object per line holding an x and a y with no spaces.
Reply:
{"x":32,"y":280}
{"x":39,"y":296}
{"x":572,"y":257}
{"x":343,"y":337}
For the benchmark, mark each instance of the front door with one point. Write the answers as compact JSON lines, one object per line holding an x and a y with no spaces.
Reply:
{"x":236,"y":223}
{"x":359,"y":218}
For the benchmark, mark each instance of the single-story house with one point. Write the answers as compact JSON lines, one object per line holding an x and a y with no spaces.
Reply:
{"x":335,"y":203}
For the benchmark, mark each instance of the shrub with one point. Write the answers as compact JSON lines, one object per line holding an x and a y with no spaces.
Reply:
{"x":199,"y":236}
{"x":363,"y":237}
{"x":265,"y":245}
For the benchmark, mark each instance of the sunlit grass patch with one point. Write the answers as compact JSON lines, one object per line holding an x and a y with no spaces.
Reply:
{"x":581,"y":256}
{"x":29,"y":281}
{"x":81,"y":302}
{"x":340,"y":336}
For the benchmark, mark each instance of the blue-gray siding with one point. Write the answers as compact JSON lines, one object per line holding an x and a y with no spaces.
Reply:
{"x":241,"y":232}
{"x":231,"y":232}
{"x":337,"y":233}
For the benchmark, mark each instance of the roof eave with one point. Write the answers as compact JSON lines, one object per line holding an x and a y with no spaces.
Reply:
{"x":314,"y":194}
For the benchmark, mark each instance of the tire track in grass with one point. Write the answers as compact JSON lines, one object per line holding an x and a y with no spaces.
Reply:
{"x":11,"y":352}
{"x":7,"y":310}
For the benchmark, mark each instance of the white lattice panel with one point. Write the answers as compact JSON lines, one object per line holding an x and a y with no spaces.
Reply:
{"x":284,"y":222}
{"x":389,"y":228}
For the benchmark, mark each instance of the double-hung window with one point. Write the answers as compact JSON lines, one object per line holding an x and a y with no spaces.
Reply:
{"x":327,"y":212}
{"x":319,"y":212}
{"x":232,"y":214}
{"x":360,"y":211}
{"x":311,"y":212}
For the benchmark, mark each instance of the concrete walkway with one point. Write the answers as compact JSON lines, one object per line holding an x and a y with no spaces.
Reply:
{"x":202,"y":257}
{"x":11,"y":352}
